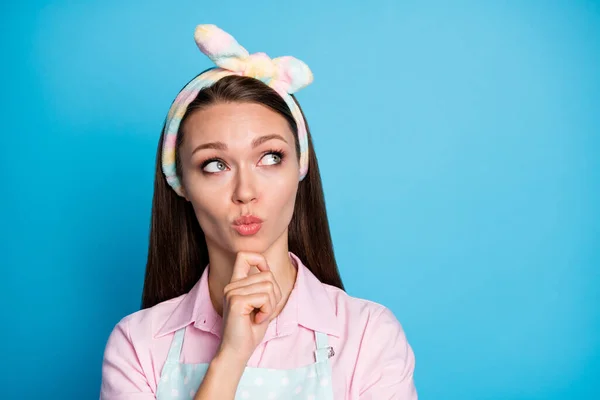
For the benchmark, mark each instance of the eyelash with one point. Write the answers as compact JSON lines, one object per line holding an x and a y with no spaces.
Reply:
{"x":279,"y":153}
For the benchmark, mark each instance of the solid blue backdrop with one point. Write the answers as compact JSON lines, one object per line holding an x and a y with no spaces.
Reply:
{"x":458,"y":147}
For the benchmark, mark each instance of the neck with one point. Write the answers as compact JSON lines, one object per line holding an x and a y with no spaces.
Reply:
{"x":221,"y":269}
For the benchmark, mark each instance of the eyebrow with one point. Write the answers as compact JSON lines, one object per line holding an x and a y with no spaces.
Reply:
{"x":255,"y":143}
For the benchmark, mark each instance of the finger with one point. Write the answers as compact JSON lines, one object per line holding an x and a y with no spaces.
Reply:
{"x":261,"y":317}
{"x":257,"y":288}
{"x":253,"y":279}
{"x":266,"y":283}
{"x":245,"y":305}
{"x":264,"y":312}
{"x":244,"y":261}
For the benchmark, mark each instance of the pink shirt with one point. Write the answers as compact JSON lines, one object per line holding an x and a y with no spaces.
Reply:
{"x":372,"y":360}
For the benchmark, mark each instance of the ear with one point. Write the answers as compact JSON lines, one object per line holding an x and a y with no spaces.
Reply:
{"x":183,"y":193}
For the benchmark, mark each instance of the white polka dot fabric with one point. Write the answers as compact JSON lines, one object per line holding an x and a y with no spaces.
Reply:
{"x":181,"y":381}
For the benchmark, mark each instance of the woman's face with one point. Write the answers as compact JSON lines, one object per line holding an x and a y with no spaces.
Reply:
{"x":240,"y":159}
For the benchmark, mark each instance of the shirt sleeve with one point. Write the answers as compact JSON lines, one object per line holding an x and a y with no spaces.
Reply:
{"x":386,"y":361}
{"x":122,"y":374}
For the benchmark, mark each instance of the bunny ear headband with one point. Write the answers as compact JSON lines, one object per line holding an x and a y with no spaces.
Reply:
{"x":286,"y":75}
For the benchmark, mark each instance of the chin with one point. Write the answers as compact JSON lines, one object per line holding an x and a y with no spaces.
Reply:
{"x":256,"y":247}
{"x":249,"y":244}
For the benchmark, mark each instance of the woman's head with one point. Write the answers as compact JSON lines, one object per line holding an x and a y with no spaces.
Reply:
{"x":235,"y":143}
{"x":237,"y":154}
{"x":237,"y":112}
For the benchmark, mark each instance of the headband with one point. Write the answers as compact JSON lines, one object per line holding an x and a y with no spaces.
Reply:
{"x":286,"y":75}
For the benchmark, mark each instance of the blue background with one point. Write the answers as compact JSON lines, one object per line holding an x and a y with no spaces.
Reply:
{"x":459,"y":153}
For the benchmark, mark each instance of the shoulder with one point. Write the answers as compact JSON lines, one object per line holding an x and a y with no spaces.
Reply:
{"x":381,"y":357}
{"x":139,"y":327}
{"x":128,"y":362}
{"x":372,"y":330}
{"x":359,"y":312}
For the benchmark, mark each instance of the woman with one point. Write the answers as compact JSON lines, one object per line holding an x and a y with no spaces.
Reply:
{"x":242,"y":296}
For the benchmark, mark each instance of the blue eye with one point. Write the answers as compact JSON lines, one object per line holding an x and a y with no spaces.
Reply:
{"x":215,"y":163}
{"x":275,"y":156}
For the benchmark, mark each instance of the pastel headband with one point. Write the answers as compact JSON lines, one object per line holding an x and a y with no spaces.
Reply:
{"x":286,"y":75}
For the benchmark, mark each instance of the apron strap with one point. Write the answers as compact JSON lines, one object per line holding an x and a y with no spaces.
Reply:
{"x":323,"y":351}
{"x":175,"y":349}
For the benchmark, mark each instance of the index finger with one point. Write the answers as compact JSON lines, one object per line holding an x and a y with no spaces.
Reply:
{"x":245,"y":261}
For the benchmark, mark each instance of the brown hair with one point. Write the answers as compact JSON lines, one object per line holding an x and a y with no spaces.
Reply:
{"x":177,"y":254}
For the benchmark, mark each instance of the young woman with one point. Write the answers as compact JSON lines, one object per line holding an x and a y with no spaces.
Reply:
{"x":242,"y":297}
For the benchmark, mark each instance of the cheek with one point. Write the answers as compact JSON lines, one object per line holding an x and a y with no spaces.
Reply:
{"x":282,"y":196}
{"x":208,"y":207}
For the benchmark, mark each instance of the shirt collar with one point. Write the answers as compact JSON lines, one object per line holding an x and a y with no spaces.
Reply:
{"x":309,"y":305}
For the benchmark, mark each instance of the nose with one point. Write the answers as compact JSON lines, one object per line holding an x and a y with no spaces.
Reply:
{"x":244,"y":190}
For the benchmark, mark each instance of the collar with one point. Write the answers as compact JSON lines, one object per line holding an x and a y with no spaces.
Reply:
{"x":309,"y":305}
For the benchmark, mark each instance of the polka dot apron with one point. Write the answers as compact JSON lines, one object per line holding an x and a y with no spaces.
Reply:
{"x":312,"y":382}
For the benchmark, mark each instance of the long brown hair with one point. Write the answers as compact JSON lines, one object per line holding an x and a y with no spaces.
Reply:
{"x":177,"y":254}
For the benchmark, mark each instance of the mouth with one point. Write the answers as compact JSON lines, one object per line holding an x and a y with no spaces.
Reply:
{"x":247,"y":225}
{"x":247,"y":229}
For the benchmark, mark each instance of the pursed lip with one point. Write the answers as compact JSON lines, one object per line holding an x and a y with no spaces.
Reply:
{"x":247,"y":220}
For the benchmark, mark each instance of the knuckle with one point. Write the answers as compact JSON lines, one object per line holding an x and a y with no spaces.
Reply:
{"x":233,"y":299}
{"x":268,"y":275}
{"x":228,"y":290}
{"x":240,"y":257}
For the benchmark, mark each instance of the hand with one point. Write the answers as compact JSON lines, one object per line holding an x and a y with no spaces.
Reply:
{"x":249,"y":305}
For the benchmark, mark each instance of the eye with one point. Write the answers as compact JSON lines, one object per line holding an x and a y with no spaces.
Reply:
{"x":273,"y":158}
{"x":214,"y":166}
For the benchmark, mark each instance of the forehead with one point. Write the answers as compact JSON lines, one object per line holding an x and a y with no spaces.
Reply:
{"x":235,"y":123}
